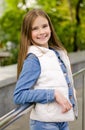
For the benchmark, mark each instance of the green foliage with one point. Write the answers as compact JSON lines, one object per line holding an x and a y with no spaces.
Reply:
{"x":10,"y":31}
{"x":62,"y":14}
{"x":12,"y":4}
{"x":10,"y":27}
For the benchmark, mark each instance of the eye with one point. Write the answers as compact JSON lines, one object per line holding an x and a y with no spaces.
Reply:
{"x":45,"y":25}
{"x":34,"y":28}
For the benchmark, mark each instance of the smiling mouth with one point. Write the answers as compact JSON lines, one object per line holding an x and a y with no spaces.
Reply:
{"x":42,"y":37}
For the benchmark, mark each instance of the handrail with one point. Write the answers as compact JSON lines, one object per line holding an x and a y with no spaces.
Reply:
{"x":83,"y":95}
{"x":13,"y":115}
{"x":79,"y":72}
{"x":16,"y":113}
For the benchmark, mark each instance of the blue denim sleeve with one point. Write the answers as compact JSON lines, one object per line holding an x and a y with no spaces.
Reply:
{"x":24,"y":92}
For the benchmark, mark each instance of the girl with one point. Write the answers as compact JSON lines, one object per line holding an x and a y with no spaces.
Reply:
{"x":44,"y":75}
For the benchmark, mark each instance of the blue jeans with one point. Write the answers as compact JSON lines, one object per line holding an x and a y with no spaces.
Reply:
{"x":37,"y":125}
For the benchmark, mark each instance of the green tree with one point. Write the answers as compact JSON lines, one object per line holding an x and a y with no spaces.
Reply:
{"x":10,"y":27}
{"x":67,"y":17}
{"x":68,"y":20}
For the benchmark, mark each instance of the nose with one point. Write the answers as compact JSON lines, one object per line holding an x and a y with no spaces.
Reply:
{"x":41,"y":31}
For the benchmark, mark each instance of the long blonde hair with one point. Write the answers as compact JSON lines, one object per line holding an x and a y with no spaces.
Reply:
{"x":26,"y":36}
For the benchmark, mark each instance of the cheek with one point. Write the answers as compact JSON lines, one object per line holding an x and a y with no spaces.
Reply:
{"x":33,"y":34}
{"x":48,"y":30}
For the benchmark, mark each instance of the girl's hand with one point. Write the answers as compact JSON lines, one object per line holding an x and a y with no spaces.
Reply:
{"x":63,"y":101}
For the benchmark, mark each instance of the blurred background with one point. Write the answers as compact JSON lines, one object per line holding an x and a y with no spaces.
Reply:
{"x":67,"y":17}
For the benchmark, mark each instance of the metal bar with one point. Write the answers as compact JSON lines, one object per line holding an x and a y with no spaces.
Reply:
{"x":4,"y":122}
{"x":83,"y":97}
{"x":7,"y":115}
{"x":80,"y":71}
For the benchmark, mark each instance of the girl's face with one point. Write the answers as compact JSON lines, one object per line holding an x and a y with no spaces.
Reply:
{"x":41,"y":32}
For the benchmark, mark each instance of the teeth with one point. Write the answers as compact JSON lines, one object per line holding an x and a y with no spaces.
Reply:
{"x":42,"y":37}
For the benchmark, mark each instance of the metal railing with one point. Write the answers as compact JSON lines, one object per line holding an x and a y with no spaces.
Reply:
{"x":13,"y":115}
{"x":82,"y":71}
{"x":17,"y":113}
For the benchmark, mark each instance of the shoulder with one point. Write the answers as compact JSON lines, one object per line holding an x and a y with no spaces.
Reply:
{"x":61,"y":52}
{"x":32,"y":57}
{"x":31,"y":62}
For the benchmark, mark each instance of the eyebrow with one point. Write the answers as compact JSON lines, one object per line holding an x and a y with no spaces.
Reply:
{"x":45,"y":24}
{"x":34,"y":27}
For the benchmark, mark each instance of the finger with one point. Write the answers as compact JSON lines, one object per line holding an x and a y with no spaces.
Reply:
{"x":66,"y":107}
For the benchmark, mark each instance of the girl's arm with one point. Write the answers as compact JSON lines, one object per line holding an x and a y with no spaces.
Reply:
{"x":24,"y":92}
